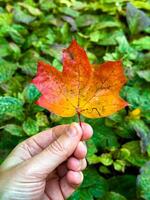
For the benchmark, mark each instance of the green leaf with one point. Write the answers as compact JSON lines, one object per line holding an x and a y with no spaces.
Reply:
{"x":88,"y":173}
{"x":55,"y":51}
{"x":82,"y":195}
{"x":104,"y":170}
{"x":114,"y":196}
{"x":137,"y":19}
{"x":5,"y":18}
{"x":123,"y":153}
{"x":142,"y":43}
{"x":14,"y":85}
{"x":29,"y":62}
{"x":104,"y":137}
{"x":145,"y":74}
{"x":11,"y":107}
{"x":86,"y":20}
{"x":119,"y":165}
{"x":41,"y":119}
{"x":99,"y":190}
{"x":93,"y":185}
{"x":106,"y":159}
{"x":103,"y":37}
{"x":21,"y":16}
{"x":69,"y":11}
{"x":4,"y":50}
{"x":124,"y":47}
{"x":65,"y":31}
{"x":106,"y":21}
{"x":124,"y":185}
{"x":95,"y":36}
{"x":31,"y":93}
{"x":57,"y":64}
{"x":15,"y":50}
{"x":143,"y":132}
{"x":31,"y":9}
{"x":93,"y":159}
{"x":136,"y":157}
{"x":14,"y":129}
{"x":137,"y":97}
{"x":47,"y":5}
{"x":143,"y":5}
{"x":7,"y":69}
{"x":97,"y":184}
{"x":15,"y":35}
{"x":91,"y":147}
{"x":30,"y":127}
{"x":143,"y":181}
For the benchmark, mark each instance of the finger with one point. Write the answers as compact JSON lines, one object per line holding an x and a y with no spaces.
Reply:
{"x":33,"y":146}
{"x":76,"y":165}
{"x":74,"y":178}
{"x":56,"y":153}
{"x":37,"y":143}
{"x":70,"y":182}
{"x":62,"y":170}
{"x":52,"y":190}
{"x":40,"y":141}
{"x":87,"y":131}
{"x":80,"y":151}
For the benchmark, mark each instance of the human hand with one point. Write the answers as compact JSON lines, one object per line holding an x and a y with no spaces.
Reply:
{"x":46,"y":166}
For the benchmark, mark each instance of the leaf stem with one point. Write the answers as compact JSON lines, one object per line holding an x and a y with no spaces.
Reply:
{"x":79,"y":118}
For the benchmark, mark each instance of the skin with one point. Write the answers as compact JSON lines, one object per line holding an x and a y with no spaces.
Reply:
{"x":47,"y":166}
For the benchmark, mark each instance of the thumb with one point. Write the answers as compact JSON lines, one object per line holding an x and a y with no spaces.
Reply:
{"x":56,"y":153}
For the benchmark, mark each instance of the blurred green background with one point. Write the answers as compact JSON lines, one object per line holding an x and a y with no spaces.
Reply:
{"x":119,"y":152}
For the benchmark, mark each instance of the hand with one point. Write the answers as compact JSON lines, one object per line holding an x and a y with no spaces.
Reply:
{"x":46,"y":166}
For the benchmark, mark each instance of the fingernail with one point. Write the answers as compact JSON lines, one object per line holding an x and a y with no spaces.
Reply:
{"x":87,"y":128}
{"x":79,"y":176}
{"x":73,"y":130}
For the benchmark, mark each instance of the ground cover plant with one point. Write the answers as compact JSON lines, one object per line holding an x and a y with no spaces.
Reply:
{"x":119,"y":152}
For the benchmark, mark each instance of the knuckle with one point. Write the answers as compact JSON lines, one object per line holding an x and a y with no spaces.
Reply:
{"x":58,"y":148}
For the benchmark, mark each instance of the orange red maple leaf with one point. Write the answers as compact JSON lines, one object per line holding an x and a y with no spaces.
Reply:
{"x":80,"y":87}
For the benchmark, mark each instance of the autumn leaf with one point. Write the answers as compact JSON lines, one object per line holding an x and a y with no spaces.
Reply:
{"x":81,"y":88}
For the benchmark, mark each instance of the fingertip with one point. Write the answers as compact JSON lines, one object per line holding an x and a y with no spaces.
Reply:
{"x":76,"y":126}
{"x":75,"y":178}
{"x":87,"y":131}
{"x":80,"y":151}
{"x":73,"y":164}
{"x":74,"y":131}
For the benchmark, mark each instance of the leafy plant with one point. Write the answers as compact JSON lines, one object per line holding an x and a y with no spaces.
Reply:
{"x":118,"y":153}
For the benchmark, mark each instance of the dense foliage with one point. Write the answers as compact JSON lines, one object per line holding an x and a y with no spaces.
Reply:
{"x":119,"y":152}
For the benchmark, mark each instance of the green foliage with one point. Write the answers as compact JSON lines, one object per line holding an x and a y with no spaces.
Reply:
{"x":108,"y":30}
{"x":93,"y":186}
{"x":124,"y":185}
{"x":30,"y":127}
{"x":114,"y":196}
{"x":31,"y":93}
{"x":7,"y":69}
{"x":143,"y":181}
{"x":136,"y":157}
{"x":10,"y":107}
{"x":137,"y":19}
{"x":14,"y":129}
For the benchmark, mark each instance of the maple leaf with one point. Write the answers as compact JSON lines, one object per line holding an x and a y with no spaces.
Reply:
{"x":81,"y":87}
